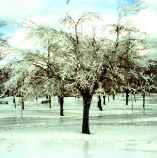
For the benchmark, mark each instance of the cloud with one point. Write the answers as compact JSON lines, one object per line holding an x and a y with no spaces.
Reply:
{"x":17,"y":9}
{"x":148,"y":17}
{"x":146,"y":21}
{"x":151,"y":4}
{"x":20,"y":40}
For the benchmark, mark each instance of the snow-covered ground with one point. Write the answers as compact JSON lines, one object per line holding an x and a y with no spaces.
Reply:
{"x":117,"y":131}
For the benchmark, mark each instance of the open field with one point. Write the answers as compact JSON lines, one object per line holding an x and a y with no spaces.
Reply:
{"x":117,"y":131}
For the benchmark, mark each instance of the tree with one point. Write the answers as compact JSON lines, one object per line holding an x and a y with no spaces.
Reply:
{"x":126,"y":45}
{"x":48,"y":62}
{"x":4,"y":47}
{"x":84,"y":64}
{"x":18,"y":81}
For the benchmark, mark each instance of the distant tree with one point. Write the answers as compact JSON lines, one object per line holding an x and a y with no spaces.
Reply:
{"x":4,"y":47}
{"x":126,"y":46}
{"x":49,"y":62}
{"x":17,"y":85}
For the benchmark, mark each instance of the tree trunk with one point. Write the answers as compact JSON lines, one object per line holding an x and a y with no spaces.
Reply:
{"x":61,"y":103}
{"x":49,"y":98}
{"x":132,"y":105}
{"x":14,"y":101}
{"x":99,"y":103}
{"x":113,"y":95}
{"x":127,"y":99}
{"x":22,"y":103}
{"x":127,"y":96}
{"x":104,"y":100}
{"x":134,"y":97}
{"x":86,"y":106}
{"x":144,"y":100}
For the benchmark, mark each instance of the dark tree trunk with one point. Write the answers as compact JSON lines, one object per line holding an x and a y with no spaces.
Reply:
{"x":61,"y":103}
{"x":14,"y":101}
{"x":127,"y":96}
{"x":132,"y":104}
{"x":134,"y":97}
{"x":99,"y":103}
{"x":49,"y":98}
{"x":127,"y":99}
{"x":104,"y":100}
{"x":22,"y":103}
{"x":87,"y":98}
{"x":113,"y":96}
{"x":144,"y":100}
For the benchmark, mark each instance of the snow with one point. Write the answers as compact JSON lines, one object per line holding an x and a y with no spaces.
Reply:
{"x":117,"y":131}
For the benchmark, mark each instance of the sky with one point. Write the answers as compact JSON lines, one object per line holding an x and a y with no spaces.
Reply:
{"x":14,"y":12}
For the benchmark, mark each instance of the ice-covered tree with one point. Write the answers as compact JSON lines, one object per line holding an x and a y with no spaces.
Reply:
{"x":4,"y":47}
{"x":18,"y":83}
{"x":49,"y":62}
{"x":84,"y":64}
{"x":127,"y":45}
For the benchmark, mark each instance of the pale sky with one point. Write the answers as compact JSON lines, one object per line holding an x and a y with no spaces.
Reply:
{"x":50,"y":11}
{"x":15,"y":11}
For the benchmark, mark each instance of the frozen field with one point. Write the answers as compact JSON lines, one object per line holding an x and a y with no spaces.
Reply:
{"x":117,"y":131}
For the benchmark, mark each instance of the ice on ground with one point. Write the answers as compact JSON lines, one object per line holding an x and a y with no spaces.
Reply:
{"x":117,"y":131}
